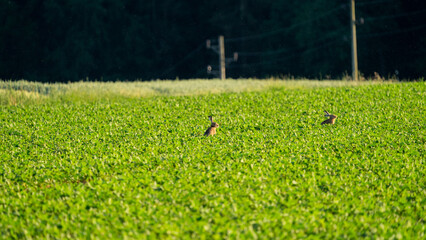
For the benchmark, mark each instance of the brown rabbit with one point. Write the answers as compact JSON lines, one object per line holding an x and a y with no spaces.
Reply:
{"x":212,"y":129}
{"x":331,"y":120}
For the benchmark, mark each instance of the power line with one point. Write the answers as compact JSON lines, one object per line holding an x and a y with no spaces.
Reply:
{"x":396,"y":15}
{"x":366,"y":3}
{"x":182,"y":60}
{"x":371,"y":35}
{"x":280,"y":30}
{"x":271,"y":57}
{"x":277,"y":61}
{"x":285,"y":50}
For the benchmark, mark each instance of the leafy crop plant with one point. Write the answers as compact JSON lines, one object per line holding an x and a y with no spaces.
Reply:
{"x":140,"y":168}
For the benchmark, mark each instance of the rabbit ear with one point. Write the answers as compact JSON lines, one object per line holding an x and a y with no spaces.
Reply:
{"x":326,"y":114}
{"x":211,"y":118}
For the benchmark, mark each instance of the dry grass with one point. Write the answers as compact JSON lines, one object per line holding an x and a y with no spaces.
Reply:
{"x":21,"y":92}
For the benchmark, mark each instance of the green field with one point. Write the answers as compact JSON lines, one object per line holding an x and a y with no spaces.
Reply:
{"x":127,"y":164}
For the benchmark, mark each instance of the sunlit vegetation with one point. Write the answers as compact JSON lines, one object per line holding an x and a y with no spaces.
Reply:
{"x":134,"y":164}
{"x":21,"y":92}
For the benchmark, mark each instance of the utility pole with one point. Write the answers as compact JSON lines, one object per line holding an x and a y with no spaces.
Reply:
{"x":222,"y":57}
{"x":354,"y":47}
{"x":223,"y":61}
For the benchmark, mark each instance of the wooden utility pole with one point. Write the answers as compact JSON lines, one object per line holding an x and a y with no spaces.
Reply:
{"x":220,"y":50}
{"x":354,"y":47}
{"x":222,"y":60}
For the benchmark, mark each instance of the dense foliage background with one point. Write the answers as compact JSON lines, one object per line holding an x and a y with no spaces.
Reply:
{"x":69,"y":40}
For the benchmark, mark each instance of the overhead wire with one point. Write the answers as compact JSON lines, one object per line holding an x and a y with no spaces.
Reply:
{"x":366,"y":3}
{"x":380,"y":34}
{"x":396,"y":15}
{"x":273,"y":55}
{"x":297,"y":53}
{"x":285,"y":50}
{"x":281,"y":30}
{"x":182,"y":60}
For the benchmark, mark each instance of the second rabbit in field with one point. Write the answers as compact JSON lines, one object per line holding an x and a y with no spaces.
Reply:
{"x":212,"y":129}
{"x":331,"y":120}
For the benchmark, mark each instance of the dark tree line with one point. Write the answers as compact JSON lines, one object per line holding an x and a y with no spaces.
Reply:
{"x":70,"y":40}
